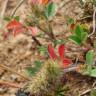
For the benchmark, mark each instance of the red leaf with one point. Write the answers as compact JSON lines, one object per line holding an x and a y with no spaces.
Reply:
{"x":17,"y":31}
{"x":66,"y":62}
{"x":51,"y":51}
{"x":13,"y":24}
{"x":61,"y":51}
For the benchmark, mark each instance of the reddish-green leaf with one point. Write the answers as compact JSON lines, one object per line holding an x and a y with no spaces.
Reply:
{"x":13,"y":24}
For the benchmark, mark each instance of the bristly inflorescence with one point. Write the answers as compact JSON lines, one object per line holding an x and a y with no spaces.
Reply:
{"x":48,"y":79}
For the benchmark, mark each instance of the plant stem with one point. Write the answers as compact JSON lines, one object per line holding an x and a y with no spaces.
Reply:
{"x":34,"y":38}
{"x":51,"y":31}
{"x":48,"y":33}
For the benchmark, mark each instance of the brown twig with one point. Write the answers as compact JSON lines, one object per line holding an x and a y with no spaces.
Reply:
{"x":13,"y":71}
{"x":94,"y":22}
{"x":51,"y":31}
{"x":16,"y":8}
{"x":86,"y":17}
{"x":9,"y":84}
{"x":37,"y":41}
{"x":64,"y":4}
{"x":87,"y":91}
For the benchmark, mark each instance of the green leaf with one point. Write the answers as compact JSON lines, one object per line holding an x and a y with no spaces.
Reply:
{"x":59,"y":41}
{"x":50,"y":10}
{"x":78,"y":31}
{"x":41,"y":35}
{"x":80,"y":36}
{"x":93,"y":73}
{"x":7,"y":18}
{"x":89,"y":60}
{"x":1,"y":26}
{"x":95,"y":44}
{"x":42,"y":49}
{"x":93,"y":92}
{"x":81,"y":2}
{"x":84,"y":37}
{"x":61,"y":91}
{"x":37,"y":64}
{"x":94,"y":2}
{"x":17,"y":18}
{"x":85,"y":27}
{"x":75,"y":39}
{"x":71,"y":21}
{"x":33,"y":70}
{"x":10,"y":18}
